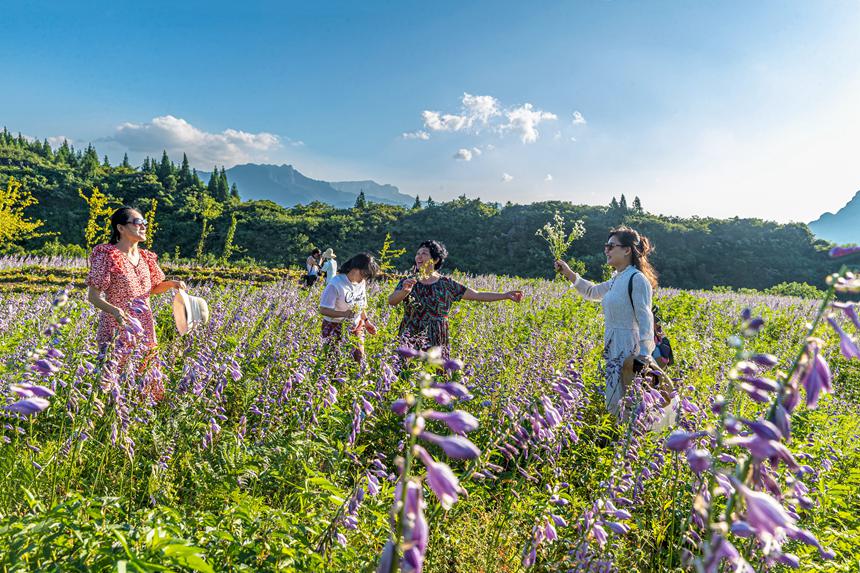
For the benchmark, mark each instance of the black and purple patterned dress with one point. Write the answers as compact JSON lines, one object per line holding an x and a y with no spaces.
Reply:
{"x":425,"y":316}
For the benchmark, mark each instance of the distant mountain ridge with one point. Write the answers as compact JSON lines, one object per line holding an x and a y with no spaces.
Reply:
{"x":842,"y":227}
{"x":287,"y":186}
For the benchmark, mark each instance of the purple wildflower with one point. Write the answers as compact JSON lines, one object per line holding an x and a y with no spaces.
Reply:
{"x":699,"y":460}
{"x":27,"y":390}
{"x":400,"y":406}
{"x":440,"y":478}
{"x":680,"y":440}
{"x":456,"y":447}
{"x":28,"y":406}
{"x":849,"y":309}
{"x":458,"y":421}
{"x":847,"y":344}
{"x":815,"y":376}
{"x":44,"y":366}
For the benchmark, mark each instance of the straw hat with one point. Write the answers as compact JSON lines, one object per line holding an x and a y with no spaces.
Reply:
{"x":189,"y":311}
{"x":329,"y":254}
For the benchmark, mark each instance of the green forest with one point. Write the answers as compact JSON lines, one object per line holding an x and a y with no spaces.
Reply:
{"x":482,"y":237}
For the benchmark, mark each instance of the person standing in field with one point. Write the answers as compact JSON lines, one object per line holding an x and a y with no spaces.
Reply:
{"x":344,"y":300}
{"x":313,"y":268}
{"x":329,"y":266}
{"x":626,"y":300}
{"x":427,"y":298}
{"x":123,"y":276}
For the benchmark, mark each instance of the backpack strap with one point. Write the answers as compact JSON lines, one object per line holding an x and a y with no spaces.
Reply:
{"x":630,"y":290}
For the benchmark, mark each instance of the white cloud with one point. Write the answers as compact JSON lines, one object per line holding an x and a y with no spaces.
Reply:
{"x":434,"y":121}
{"x":485,"y":112}
{"x":525,"y":120}
{"x":578,"y":119}
{"x":419,"y":134}
{"x":177,"y":136}
{"x":476,"y":151}
{"x":480,"y":108}
{"x":548,"y":177}
{"x":475,"y":112}
{"x":507,"y":178}
{"x":463,"y":155}
{"x":57,"y":140}
{"x":489,"y":147}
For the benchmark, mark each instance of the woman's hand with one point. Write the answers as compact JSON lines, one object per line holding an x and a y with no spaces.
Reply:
{"x":565,"y":270}
{"x":408,"y":285}
{"x":180,"y":285}
{"x":120,"y":316}
{"x":514,"y":295}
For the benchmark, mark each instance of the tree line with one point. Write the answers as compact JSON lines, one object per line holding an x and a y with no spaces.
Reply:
{"x":74,"y":189}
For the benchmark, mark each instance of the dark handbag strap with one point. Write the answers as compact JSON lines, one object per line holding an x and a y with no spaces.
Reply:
{"x":630,"y":290}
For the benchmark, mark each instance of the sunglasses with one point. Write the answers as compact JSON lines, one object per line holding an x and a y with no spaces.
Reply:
{"x":610,"y":246}
{"x":138,"y":221}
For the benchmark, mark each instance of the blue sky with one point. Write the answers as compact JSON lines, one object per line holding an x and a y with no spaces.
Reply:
{"x":707,"y":108}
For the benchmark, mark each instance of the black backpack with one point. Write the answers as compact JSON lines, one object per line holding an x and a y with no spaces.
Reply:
{"x":662,"y":346}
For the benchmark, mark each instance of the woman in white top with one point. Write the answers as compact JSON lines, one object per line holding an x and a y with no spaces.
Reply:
{"x":344,"y":299}
{"x":629,"y":322}
{"x":329,"y":267}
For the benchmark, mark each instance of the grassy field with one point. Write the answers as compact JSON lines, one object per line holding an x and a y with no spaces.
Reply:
{"x":272,"y":453}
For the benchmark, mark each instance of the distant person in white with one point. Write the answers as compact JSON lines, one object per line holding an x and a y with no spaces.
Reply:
{"x":629,"y":327}
{"x":345,"y":299}
{"x":329,"y":266}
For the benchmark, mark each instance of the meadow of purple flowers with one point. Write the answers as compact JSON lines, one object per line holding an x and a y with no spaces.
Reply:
{"x":272,"y":452}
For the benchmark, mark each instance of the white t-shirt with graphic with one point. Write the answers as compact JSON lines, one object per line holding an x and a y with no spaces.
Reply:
{"x":341,"y":294}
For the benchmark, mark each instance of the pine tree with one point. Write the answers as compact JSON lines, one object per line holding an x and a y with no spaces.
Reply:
{"x":106,"y":162}
{"x":185,"y":178}
{"x":47,"y":152}
{"x":613,"y":204}
{"x":637,"y":204}
{"x":430,"y":202}
{"x":234,"y":193}
{"x":622,"y":204}
{"x":212,"y":186}
{"x":125,"y":163}
{"x":90,"y":162}
{"x":64,"y":153}
{"x":223,"y":189}
{"x":417,"y":204}
{"x":165,"y":169}
{"x":360,"y":201}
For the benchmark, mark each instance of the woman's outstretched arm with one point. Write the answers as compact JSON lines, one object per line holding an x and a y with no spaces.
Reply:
{"x":588,"y":289}
{"x":514,"y":295}
{"x":164,"y":286}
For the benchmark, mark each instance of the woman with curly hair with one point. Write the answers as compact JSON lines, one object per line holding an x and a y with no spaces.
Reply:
{"x":427,"y":298}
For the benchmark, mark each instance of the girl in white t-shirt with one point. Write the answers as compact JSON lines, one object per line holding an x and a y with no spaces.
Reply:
{"x":345,"y":300}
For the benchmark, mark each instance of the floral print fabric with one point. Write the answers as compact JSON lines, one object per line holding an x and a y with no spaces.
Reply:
{"x":112,"y":273}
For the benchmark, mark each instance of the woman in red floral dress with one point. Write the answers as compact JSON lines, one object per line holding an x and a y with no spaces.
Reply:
{"x":428,"y":299}
{"x":122,"y":274}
